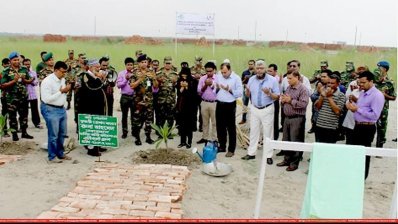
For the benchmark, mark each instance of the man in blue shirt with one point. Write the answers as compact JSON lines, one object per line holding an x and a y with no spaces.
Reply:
{"x":263,"y":90}
{"x":228,"y":88}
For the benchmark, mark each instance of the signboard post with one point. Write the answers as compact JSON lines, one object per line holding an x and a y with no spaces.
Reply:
{"x":96,"y":130}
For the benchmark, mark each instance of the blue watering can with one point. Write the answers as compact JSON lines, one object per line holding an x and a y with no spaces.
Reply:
{"x":209,"y":153}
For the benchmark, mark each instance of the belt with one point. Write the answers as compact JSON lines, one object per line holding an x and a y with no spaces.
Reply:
{"x":225,"y":102}
{"x":365,"y":123}
{"x":127,"y":95}
{"x":263,"y":106}
{"x":209,"y":101}
{"x":295,"y":116}
{"x":54,"y":105}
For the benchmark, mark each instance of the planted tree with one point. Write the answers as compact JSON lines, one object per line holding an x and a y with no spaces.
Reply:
{"x":165,"y":133}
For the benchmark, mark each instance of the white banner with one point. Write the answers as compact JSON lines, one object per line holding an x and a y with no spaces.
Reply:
{"x":195,"y":24}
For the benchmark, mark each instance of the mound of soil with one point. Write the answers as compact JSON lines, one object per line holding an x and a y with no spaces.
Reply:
{"x":17,"y":148}
{"x":180,"y":157}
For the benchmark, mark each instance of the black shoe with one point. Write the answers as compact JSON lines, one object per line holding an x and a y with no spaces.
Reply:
{"x":170,"y":137}
{"x":270,"y":161}
{"x":283,"y":163}
{"x":188,"y":146}
{"x":311,"y":131}
{"x":280,"y":129}
{"x":394,"y":140}
{"x":66,"y":136}
{"x":201,"y":141}
{"x":149,"y":141}
{"x":25,"y":135}
{"x":281,"y":153}
{"x":138,"y":142}
{"x":221,"y":150}
{"x":124,"y":135}
{"x":15,"y":137}
{"x":181,"y":145}
{"x":248,"y":157}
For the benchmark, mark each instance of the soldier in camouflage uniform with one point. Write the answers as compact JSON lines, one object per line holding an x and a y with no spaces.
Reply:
{"x":109,"y":83}
{"x":14,"y":81}
{"x":317,"y":74}
{"x":48,"y":69}
{"x":349,"y":74}
{"x":70,"y":78}
{"x":41,"y":64}
{"x":197,"y":71}
{"x":144,"y":84}
{"x":386,"y":86}
{"x":77,"y":72}
{"x":166,"y":100}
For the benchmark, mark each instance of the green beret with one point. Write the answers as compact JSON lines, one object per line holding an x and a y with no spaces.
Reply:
{"x":47,"y":56}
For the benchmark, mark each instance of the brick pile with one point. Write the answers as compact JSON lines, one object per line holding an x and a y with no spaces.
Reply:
{"x":125,"y":191}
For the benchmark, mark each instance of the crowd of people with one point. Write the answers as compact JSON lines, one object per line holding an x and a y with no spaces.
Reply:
{"x":351,"y":105}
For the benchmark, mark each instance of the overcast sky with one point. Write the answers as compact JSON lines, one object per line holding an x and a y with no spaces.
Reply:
{"x":295,"y":20}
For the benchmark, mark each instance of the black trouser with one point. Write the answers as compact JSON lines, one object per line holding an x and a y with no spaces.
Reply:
{"x":363,"y":135}
{"x":225,"y":122}
{"x":282,"y":116}
{"x":349,"y":140}
{"x":276,"y":120}
{"x":293,"y":131}
{"x":326,"y":135}
{"x":34,"y":109}
{"x":109,"y":100}
{"x":126,"y":104}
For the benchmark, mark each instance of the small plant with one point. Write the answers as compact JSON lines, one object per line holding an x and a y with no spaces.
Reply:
{"x":165,"y":133}
{"x":3,"y":122}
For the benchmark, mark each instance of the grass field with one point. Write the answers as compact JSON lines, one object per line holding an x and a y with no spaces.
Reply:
{"x":238,"y":55}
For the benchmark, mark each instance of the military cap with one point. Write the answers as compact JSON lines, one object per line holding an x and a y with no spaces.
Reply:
{"x":138,"y":52}
{"x":47,"y":56}
{"x":92,"y":62}
{"x":198,"y":58}
{"x":324,"y":63}
{"x":141,"y":58}
{"x":349,"y":66}
{"x":12,"y":55}
{"x":71,"y":51}
{"x":384,"y":64}
{"x":167,"y":59}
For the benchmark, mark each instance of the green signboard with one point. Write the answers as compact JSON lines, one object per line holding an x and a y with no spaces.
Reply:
{"x":98,"y":130}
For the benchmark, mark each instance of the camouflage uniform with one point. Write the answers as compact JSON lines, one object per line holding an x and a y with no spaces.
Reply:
{"x":385,"y":86}
{"x":70,"y":78}
{"x":346,"y":76}
{"x":317,"y":73}
{"x":78,"y":73}
{"x":143,"y":103}
{"x":195,"y":70}
{"x":16,"y":98}
{"x":166,"y":99}
{"x":109,"y":84}
{"x":40,"y":66}
{"x":44,"y":73}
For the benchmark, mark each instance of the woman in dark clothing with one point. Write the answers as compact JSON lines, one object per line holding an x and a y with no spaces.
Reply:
{"x":185,"y":108}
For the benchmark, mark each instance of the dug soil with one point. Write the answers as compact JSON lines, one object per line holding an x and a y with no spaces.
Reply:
{"x":17,"y":148}
{"x":176,"y":157}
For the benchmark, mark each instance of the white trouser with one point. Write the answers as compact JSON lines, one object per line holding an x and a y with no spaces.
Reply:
{"x":265,"y":118}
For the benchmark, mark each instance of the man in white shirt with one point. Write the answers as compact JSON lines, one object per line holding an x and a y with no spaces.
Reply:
{"x":53,"y":97}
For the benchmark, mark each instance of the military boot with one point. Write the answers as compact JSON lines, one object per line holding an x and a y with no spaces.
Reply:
{"x":137,"y":138}
{"x":26,"y":135}
{"x":149,"y":140}
{"x":15,"y":136}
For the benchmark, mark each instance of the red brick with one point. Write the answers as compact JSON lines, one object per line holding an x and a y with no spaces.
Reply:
{"x":134,"y":207}
{"x":115,"y":211}
{"x":64,"y":209}
{"x":48,"y":215}
{"x":144,"y":203}
{"x":175,"y":205}
{"x":177,"y":211}
{"x":158,"y":209}
{"x":168,"y":215}
{"x":140,"y":213}
{"x":87,"y":204}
